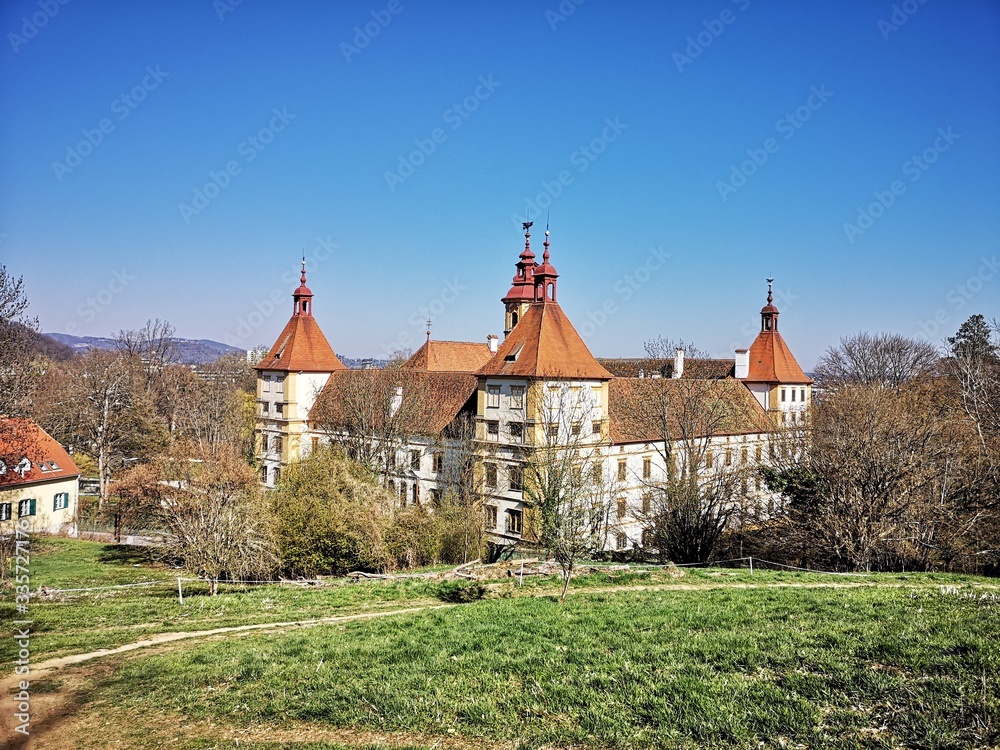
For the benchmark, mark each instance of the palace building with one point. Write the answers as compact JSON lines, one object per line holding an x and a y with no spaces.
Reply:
{"x":541,"y":387}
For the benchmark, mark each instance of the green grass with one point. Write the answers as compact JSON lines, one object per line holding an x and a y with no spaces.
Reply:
{"x":718,"y":668}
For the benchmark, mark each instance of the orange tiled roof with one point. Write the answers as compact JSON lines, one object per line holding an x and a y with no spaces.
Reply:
{"x":22,"y":438}
{"x":360,"y":399}
{"x":693,"y":368}
{"x":545,"y":344}
{"x":771,"y":361}
{"x":301,"y":347}
{"x":449,"y":356}
{"x":695,"y":408}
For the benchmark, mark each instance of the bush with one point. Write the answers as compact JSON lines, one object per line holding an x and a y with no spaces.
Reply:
{"x":461,"y":592}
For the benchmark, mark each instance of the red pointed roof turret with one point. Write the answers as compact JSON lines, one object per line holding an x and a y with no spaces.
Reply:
{"x":302,"y":296}
{"x":769,"y":313}
{"x":523,"y":283}
{"x":769,"y":358}
{"x":545,"y":276}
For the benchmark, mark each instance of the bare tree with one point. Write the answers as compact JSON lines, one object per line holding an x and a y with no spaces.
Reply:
{"x":567,"y":503}
{"x":705,"y":479}
{"x":462,"y":488}
{"x":18,"y":377}
{"x":218,"y":525}
{"x":665,"y":348}
{"x":153,"y":345}
{"x":884,"y":359}
{"x":134,"y":497}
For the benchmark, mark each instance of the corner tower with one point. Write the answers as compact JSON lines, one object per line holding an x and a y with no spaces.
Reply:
{"x":522,"y":291}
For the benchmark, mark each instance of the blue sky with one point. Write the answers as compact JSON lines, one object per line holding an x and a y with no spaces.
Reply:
{"x":685,"y":151}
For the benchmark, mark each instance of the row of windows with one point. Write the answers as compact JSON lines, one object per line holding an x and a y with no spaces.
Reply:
{"x":279,"y":384}
{"x":271,"y":443}
{"x":274,"y":473}
{"x":515,"y":400}
{"x":800,"y":391}
{"x":279,"y":409}
{"x":28,"y":506}
{"x":437,"y":461}
{"x":513,"y":520}
{"x":515,"y":430}
{"x":515,"y":476}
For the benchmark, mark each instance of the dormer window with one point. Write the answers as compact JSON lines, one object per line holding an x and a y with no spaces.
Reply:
{"x":44,"y":467}
{"x":23,"y":467}
{"x":54,"y":465}
{"x":512,"y":357}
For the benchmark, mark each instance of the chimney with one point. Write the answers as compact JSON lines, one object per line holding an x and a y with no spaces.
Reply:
{"x":494,"y":343}
{"x":742,"y":364}
{"x":397,"y":401}
{"x":678,"y":362}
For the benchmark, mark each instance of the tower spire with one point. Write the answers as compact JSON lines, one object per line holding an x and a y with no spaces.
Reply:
{"x":302,"y":296}
{"x":769,"y":313}
{"x":428,"y":330}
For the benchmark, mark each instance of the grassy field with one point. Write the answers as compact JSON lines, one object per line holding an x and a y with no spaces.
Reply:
{"x":715,"y":659}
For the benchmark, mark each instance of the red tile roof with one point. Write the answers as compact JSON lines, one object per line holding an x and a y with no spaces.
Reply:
{"x":22,"y":438}
{"x":449,"y":356}
{"x":693,"y":368}
{"x":694,"y":408}
{"x":771,"y":361}
{"x":301,"y":347}
{"x":360,"y":399}
{"x":545,"y":344}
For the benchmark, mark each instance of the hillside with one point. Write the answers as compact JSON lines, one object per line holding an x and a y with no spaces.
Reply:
{"x":189,"y":351}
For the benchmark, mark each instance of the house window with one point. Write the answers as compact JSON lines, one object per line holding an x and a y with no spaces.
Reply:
{"x":516,"y":477}
{"x":622,"y":470}
{"x":793,"y":394}
{"x":392,"y":487}
{"x":516,"y":397}
{"x":265,"y":386}
{"x":621,"y":509}
{"x":577,"y":428}
{"x":597,"y":473}
{"x":491,"y":516}
{"x":621,"y":541}
{"x":647,"y":468}
{"x":415,"y":460}
{"x":647,"y":537}
{"x":438,"y":464}
{"x":743,"y":455}
{"x":26,"y":507}
{"x":416,"y":493}
{"x":278,"y":443}
{"x":60,"y":501}
{"x":729,"y":457}
{"x":279,"y":409}
{"x":315,"y":444}
{"x":493,"y":397}
{"x":595,"y":427}
{"x":758,"y":453}
{"x":553,"y":429}
{"x":710,"y":459}
{"x":265,"y":408}
{"x":279,"y":384}
{"x":647,"y":502}
{"x":4,"y":511}
{"x":514,"y":522}
{"x":493,"y":431}
{"x":436,"y":498}
{"x":263,"y":473}
{"x":277,"y":475}
{"x":516,"y":432}
{"x":54,"y":465}
{"x":491,"y":475}
{"x":783,"y":394}
{"x":802,"y":395}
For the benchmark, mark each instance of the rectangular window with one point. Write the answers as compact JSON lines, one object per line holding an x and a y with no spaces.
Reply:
{"x":621,"y":541}
{"x":279,"y":384}
{"x":438,"y":466}
{"x":783,"y":394}
{"x":265,"y":385}
{"x":491,"y":516}
{"x":621,"y":509}
{"x":729,"y":456}
{"x":416,"y":493}
{"x":802,"y":395}
{"x":622,"y":470}
{"x":278,"y":443}
{"x":493,"y":431}
{"x":60,"y":501}
{"x":647,"y":502}
{"x":516,"y":397}
{"x":515,"y":523}
{"x":647,"y":468}
{"x":415,"y":460}
{"x":263,"y":474}
{"x":516,"y":478}
{"x":265,"y":408}
{"x":597,"y":472}
{"x":4,"y":511}
{"x":595,"y":427}
{"x":491,"y":475}
{"x":553,"y":429}
{"x":710,"y":459}
{"x":277,"y":475}
{"x":743,"y":455}
{"x":758,"y":453}
{"x":26,"y":507}
{"x":516,"y":432}
{"x":577,"y":428}
{"x":793,"y":394}
{"x":315,"y":444}
{"x":279,"y":409}
{"x":492,"y":397}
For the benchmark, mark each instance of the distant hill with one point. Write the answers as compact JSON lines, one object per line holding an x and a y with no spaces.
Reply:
{"x":189,"y":351}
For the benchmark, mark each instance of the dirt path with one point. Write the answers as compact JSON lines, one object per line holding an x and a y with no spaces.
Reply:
{"x":49,"y":711}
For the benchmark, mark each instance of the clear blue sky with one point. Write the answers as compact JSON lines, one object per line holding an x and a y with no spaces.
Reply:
{"x":521,"y":94}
